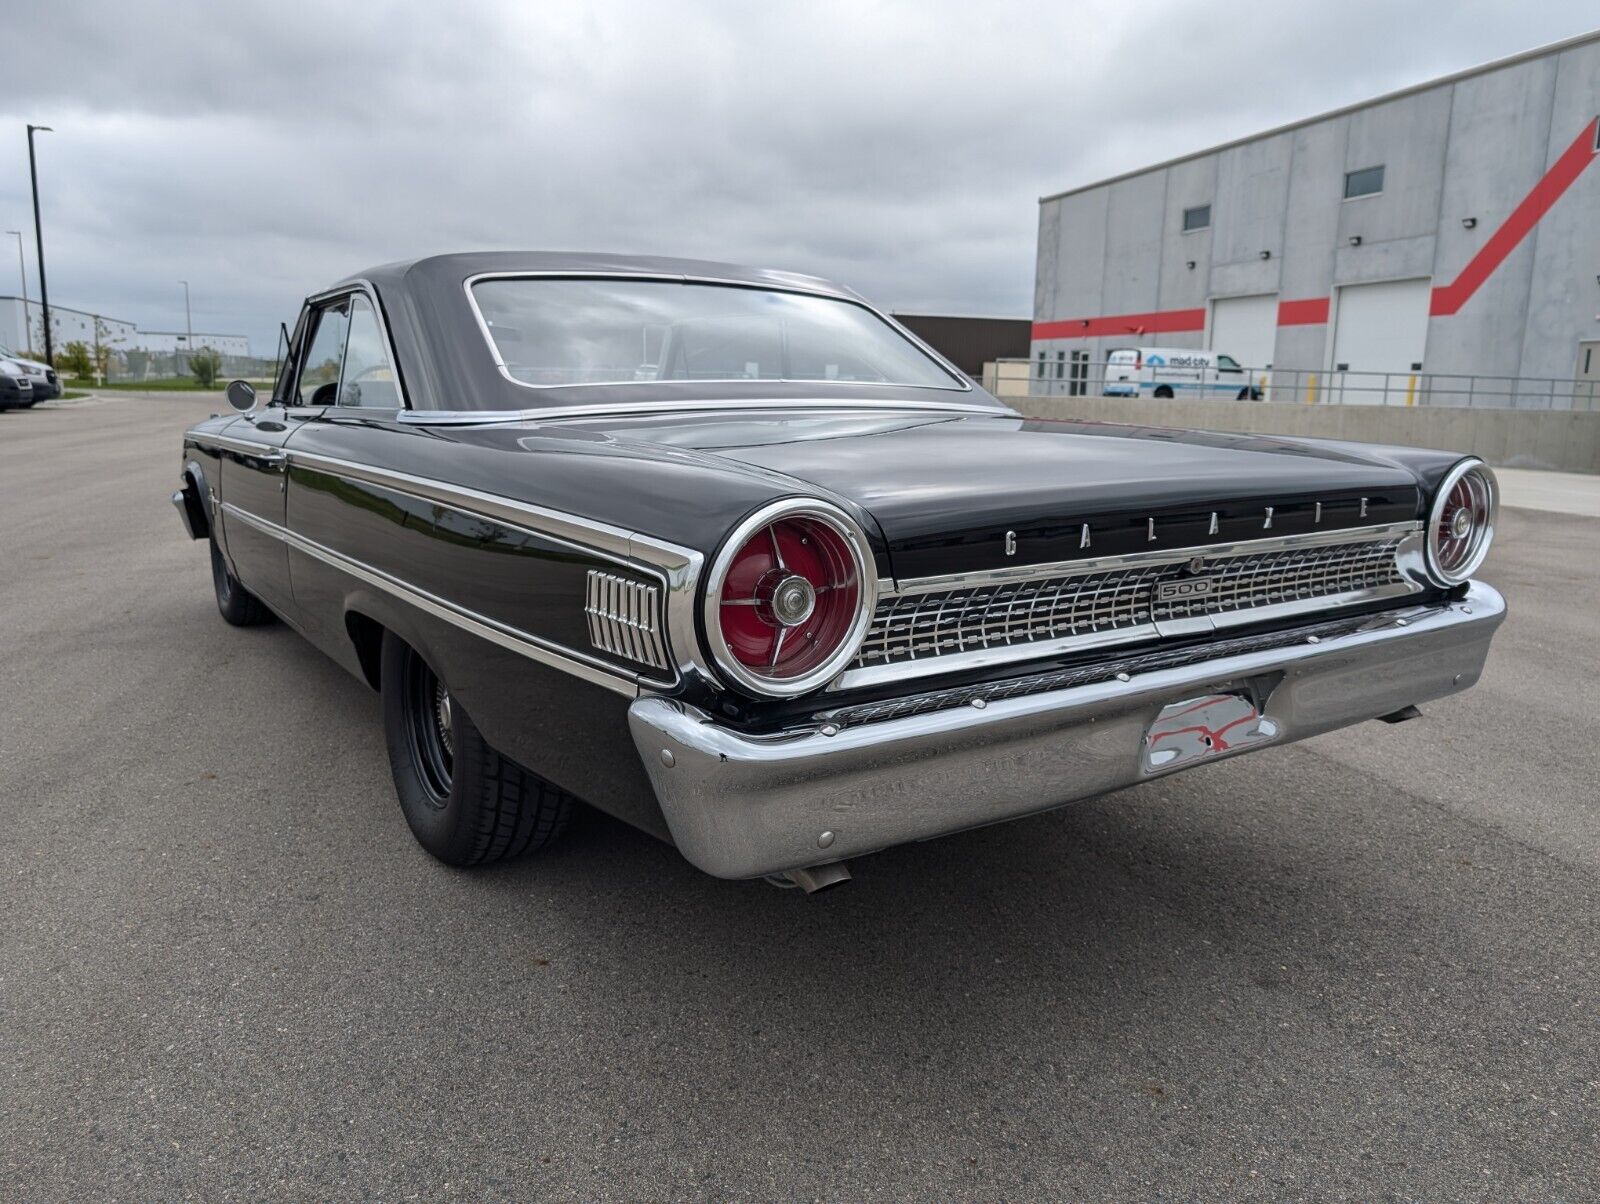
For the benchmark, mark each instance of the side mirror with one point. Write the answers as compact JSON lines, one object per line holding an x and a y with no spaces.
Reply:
{"x":241,"y":395}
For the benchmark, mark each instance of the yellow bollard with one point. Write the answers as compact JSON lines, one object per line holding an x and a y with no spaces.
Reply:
{"x":1311,"y":389}
{"x":1411,"y":392}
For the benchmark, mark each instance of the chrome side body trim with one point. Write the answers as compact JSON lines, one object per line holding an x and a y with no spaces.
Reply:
{"x":614,"y":409}
{"x":525,"y":643}
{"x":739,"y":805}
{"x":229,"y":443}
{"x":958,"y":379}
{"x":677,"y":567}
{"x":580,"y":532}
{"x":463,"y":417}
{"x":680,"y":568}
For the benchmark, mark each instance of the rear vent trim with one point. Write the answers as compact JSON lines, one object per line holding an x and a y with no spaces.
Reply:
{"x":625,"y":619}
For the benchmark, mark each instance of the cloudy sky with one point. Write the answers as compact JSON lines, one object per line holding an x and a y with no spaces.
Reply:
{"x":261,"y":151}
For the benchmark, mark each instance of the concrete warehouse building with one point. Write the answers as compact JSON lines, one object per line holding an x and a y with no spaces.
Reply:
{"x":22,"y":330}
{"x":1452,"y":227}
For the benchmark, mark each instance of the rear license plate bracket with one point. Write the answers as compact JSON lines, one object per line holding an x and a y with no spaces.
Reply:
{"x":1200,"y":728}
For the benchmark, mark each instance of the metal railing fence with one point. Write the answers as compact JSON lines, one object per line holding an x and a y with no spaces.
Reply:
{"x":1304,"y":386}
{"x":125,"y":367}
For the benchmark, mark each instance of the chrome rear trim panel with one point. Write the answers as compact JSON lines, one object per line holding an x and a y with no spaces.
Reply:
{"x":1032,"y":572}
{"x":969,"y":621}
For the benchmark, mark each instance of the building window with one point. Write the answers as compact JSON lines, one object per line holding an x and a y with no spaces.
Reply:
{"x":1197,"y":218}
{"x":1041,"y":365}
{"x":1080,"y":374}
{"x":1366,"y":182}
{"x":1061,"y":364}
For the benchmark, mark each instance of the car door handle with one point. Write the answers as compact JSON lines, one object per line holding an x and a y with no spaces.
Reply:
{"x":274,"y":456}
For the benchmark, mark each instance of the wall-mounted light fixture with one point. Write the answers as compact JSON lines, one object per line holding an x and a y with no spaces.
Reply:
{"x":1355,"y":240}
{"x":1190,"y":265}
{"x":1469,"y":222}
{"x":1266,"y":254}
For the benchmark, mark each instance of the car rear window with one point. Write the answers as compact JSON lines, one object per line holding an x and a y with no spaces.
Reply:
{"x":555,"y":332}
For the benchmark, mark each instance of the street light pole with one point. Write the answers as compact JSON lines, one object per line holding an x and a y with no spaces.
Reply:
{"x":22,"y":272}
{"x":38,"y":233}
{"x":188,"y":322}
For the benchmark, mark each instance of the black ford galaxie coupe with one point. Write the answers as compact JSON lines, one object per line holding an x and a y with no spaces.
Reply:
{"x":734,"y":557}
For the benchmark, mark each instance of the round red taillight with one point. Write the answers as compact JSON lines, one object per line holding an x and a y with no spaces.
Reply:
{"x":1461,"y":523}
{"x":787,"y":602}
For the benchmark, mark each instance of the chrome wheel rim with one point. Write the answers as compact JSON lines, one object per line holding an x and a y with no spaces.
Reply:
{"x":430,"y":730}
{"x":444,"y":718}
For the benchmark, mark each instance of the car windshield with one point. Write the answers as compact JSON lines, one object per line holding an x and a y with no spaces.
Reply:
{"x":554,"y":332}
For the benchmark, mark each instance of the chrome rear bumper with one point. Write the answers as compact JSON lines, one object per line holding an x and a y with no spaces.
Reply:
{"x":739,"y":806}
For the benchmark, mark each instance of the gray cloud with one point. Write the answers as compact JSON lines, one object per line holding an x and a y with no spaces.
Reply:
{"x":261,"y":151}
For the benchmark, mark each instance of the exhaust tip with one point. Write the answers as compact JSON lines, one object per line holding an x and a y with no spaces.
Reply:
{"x":1400,"y":716}
{"x":816,"y":878}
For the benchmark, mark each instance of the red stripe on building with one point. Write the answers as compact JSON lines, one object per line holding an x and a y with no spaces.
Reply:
{"x":1172,"y":321}
{"x":1448,"y":298}
{"x":1312,"y":311}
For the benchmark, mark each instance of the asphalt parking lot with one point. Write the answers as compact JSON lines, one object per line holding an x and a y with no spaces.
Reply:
{"x":1359,"y":967}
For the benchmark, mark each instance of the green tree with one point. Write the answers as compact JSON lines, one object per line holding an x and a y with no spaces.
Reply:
{"x":75,"y":359}
{"x":103,"y":348}
{"x":206,"y":366}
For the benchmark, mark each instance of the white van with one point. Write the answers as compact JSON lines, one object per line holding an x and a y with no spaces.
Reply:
{"x":1177,"y":372}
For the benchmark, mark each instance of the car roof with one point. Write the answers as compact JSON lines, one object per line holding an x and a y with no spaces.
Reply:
{"x":458,"y":267}
{"x":447,"y":363}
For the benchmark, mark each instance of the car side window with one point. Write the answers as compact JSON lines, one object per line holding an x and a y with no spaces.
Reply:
{"x":319,"y":371}
{"x":282,"y":387}
{"x":368,"y":378}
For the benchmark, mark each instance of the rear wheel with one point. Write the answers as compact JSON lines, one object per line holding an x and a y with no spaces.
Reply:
{"x":465,"y":803}
{"x":1250,"y":394}
{"x":1164,"y":392}
{"x":237,"y":604}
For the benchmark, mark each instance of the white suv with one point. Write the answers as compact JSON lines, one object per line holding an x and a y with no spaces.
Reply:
{"x":41,"y":377}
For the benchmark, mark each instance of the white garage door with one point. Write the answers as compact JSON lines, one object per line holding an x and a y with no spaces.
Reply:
{"x":1246,"y":328}
{"x":1381,"y":327}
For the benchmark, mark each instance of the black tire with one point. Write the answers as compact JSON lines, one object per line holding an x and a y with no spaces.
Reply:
{"x":1164,"y":393}
{"x":238,"y":605}
{"x":1250,"y":394}
{"x":465,"y":803}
